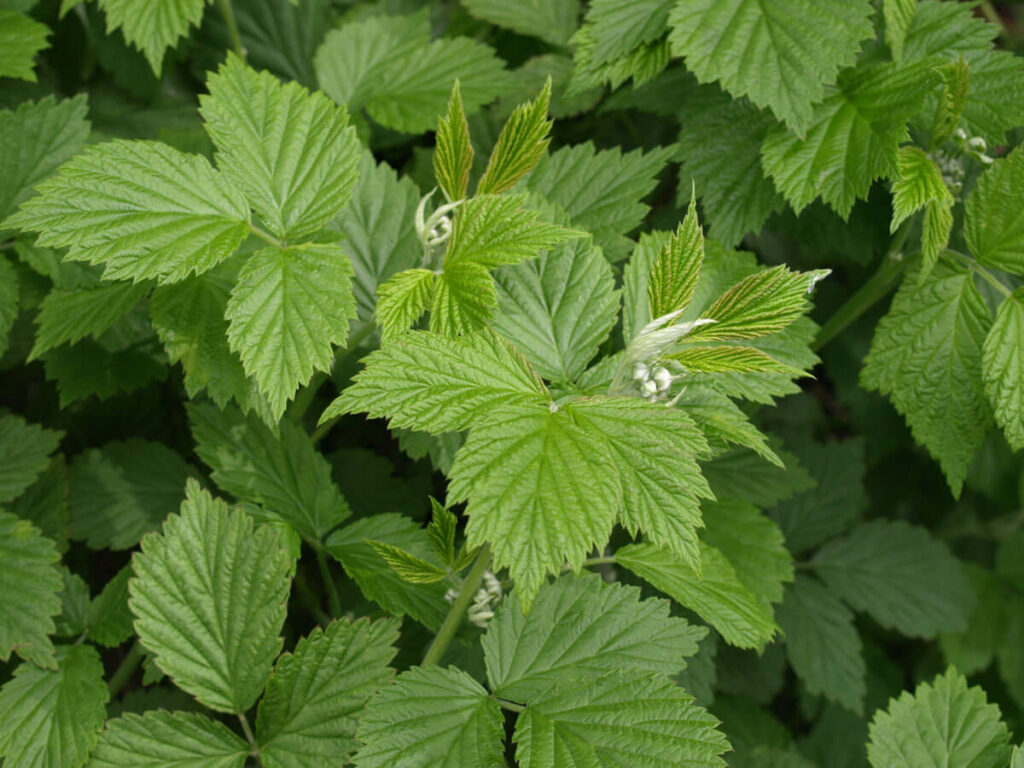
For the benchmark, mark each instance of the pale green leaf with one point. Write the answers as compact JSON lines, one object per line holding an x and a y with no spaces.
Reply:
{"x":308,"y":715}
{"x":822,"y":643}
{"x":553,"y":21}
{"x":942,"y":723}
{"x":141,"y":208}
{"x":676,"y":268}
{"x":905,"y":579}
{"x":580,"y":628}
{"x":290,"y":151}
{"x":522,"y":142}
{"x":288,"y":309}
{"x":50,"y":718}
{"x":124,"y":490}
{"x":994,"y":219}
{"x":37,"y":138}
{"x":431,"y":718}
{"x":1003,"y":368}
{"x":898,"y":15}
{"x":542,"y":491}
{"x":402,"y":300}
{"x":464,"y":299}
{"x":780,"y":54}
{"x":935,"y":232}
{"x":161,"y":738}
{"x":918,"y":182}
{"x":643,"y":63}
{"x":283,"y":473}
{"x":441,"y":530}
{"x":411,"y":569}
{"x":71,"y":315}
{"x":729,"y":360}
{"x":428,"y":382}
{"x":21,"y":38}
{"x":926,"y":356}
{"x":153,"y":26}
{"x":209,"y":598}
{"x":453,"y":151}
{"x":633,"y":721}
{"x":715,"y":592}
{"x":30,"y":584}
{"x":24,"y":454}
{"x":558,"y":309}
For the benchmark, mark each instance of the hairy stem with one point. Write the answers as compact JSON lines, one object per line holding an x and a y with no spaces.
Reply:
{"x":250,"y":738}
{"x":125,"y":669}
{"x":979,"y":270}
{"x":457,"y":612}
{"x":229,"y":18}
{"x":253,"y":229}
{"x":333,"y":599}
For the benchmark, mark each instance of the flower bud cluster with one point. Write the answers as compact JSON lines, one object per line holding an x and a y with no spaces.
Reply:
{"x":484,"y":602}
{"x":654,"y":382}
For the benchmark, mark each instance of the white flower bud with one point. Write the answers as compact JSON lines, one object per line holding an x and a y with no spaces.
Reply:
{"x":662,"y":378}
{"x":649,"y":387}
{"x":977,"y":144}
{"x":640,"y":372}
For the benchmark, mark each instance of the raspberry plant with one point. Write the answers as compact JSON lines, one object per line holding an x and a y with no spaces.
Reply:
{"x":511,"y":382}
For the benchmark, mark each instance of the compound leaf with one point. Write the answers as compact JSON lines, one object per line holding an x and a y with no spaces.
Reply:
{"x":402,"y":300}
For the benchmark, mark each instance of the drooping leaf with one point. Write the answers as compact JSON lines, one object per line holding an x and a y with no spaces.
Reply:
{"x":1002,"y":366}
{"x":153,"y":26}
{"x":161,"y":738}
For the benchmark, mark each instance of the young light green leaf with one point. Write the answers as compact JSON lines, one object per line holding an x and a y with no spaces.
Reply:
{"x":153,"y":26}
{"x":464,"y":300}
{"x":633,"y":721}
{"x":50,"y":718}
{"x":183,"y":216}
{"x":21,"y":38}
{"x":728,"y":359}
{"x":926,"y":356}
{"x":994,"y":222}
{"x":284,"y":474}
{"x":209,"y":597}
{"x":301,"y":297}
{"x":110,"y":621}
{"x":676,"y":269}
{"x":24,"y":454}
{"x":402,"y":300}
{"x":71,"y":315}
{"x":1002,"y":366}
{"x":37,"y":138}
{"x":780,"y":55}
{"x":935,"y":232}
{"x":956,"y":86}
{"x":580,"y":628}
{"x":30,"y":584}
{"x":942,"y":721}
{"x":521,"y":144}
{"x":441,"y":530}
{"x":308,"y":715}
{"x":431,"y":718}
{"x":553,"y":21}
{"x":522,"y":473}
{"x":290,"y":151}
{"x":436,"y":384}
{"x":899,"y":574}
{"x":124,"y":490}
{"x":160,"y":738}
{"x":918,"y":182}
{"x":453,"y":151}
{"x":898,"y":15}
{"x":411,"y":569}
{"x":822,"y":643}
{"x":715,"y":592}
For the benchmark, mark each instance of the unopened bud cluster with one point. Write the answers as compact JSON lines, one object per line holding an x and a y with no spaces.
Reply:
{"x":485,"y":600}
{"x":951,"y":162}
{"x":654,"y":382}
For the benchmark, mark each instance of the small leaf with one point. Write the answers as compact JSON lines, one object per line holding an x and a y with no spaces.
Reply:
{"x":522,"y":142}
{"x":676,"y":269}
{"x":412,"y":569}
{"x":153,"y":26}
{"x":993,"y":219}
{"x":21,"y":38}
{"x":402,"y":300}
{"x":453,"y":152}
{"x":110,"y":621}
{"x":441,"y":531}
{"x":729,"y":360}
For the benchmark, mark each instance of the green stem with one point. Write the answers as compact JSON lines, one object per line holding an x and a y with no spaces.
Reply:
{"x":992,"y":16}
{"x":265,"y":236}
{"x":6,"y":246}
{"x":229,"y":18}
{"x":250,"y":737}
{"x":457,"y":612}
{"x":125,"y":669}
{"x":979,"y":270}
{"x":309,"y":599}
{"x":511,"y":706}
{"x":333,"y":599}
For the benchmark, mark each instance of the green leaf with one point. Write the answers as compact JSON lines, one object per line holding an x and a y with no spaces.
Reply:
{"x":308,"y":716}
{"x":90,"y":368}
{"x":936,"y":230}
{"x":301,"y":297}
{"x":553,"y":21}
{"x":634,"y":721}
{"x":899,"y":574}
{"x":956,"y":86}
{"x":411,"y":569}
{"x":24,"y":454}
{"x":124,"y":490}
{"x":676,"y":268}
{"x":655,"y":450}
{"x":643,"y":63}
{"x":50,"y":718}
{"x":521,"y":144}
{"x":580,"y":628}
{"x":45,"y":503}
{"x":161,"y":738}
{"x":822,"y":643}
{"x":464,"y":300}
{"x":283,"y":473}
{"x":898,"y":15}
{"x":431,"y":717}
{"x":8,"y":302}
{"x":290,"y":151}
{"x":926,"y":356}
{"x":542,"y":491}
{"x":209,"y":598}
{"x":615,"y":29}
{"x":943,"y":723}
{"x":973,"y":649}
{"x":745,"y":476}
{"x":441,"y":530}
{"x":377,"y":580}
{"x":180,"y":216}
{"x":153,"y":26}
{"x":436,"y":384}
{"x":30,"y":584}
{"x":110,"y":621}
{"x":37,"y":138}
{"x":852,"y":138}
{"x":918,"y":182}
{"x":729,"y":360}
{"x":71,"y":315}
{"x":1003,"y":368}
{"x":21,"y":38}
{"x":715,"y":592}
{"x":453,"y":151}
{"x":994,"y":223}
{"x":779,"y":54}
{"x":74,"y":597}
{"x":558,"y":309}
{"x":403,"y":300}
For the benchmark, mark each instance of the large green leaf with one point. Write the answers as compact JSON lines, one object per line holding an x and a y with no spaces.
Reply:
{"x":30,"y":583}
{"x":71,"y":315}
{"x":994,"y":224}
{"x":1003,"y":368}
{"x":209,"y":598}
{"x":553,"y":21}
{"x":160,"y":738}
